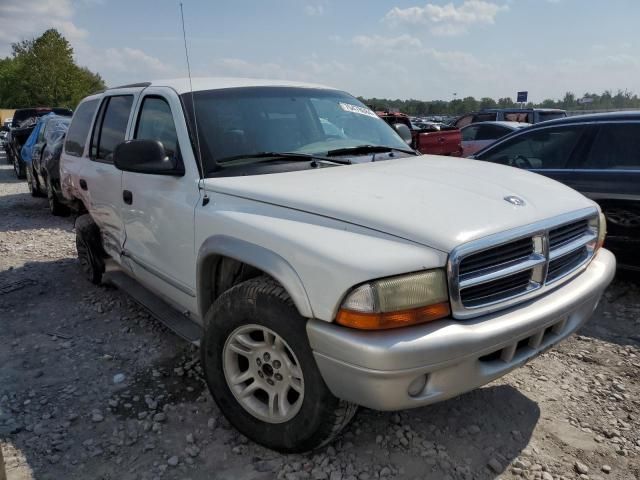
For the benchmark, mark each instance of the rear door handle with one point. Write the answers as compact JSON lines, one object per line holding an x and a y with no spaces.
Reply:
{"x":127,"y":196}
{"x":83,"y":184}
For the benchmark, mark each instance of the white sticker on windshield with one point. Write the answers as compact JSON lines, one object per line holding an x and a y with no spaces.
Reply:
{"x":347,"y":107}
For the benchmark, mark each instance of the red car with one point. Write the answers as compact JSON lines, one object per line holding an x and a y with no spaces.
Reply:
{"x":440,"y":140}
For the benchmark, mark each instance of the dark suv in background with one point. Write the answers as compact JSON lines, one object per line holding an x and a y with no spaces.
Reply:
{"x":24,"y":120}
{"x":521,"y":115}
{"x":598,"y":155}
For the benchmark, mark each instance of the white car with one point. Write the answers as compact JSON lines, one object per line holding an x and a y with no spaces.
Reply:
{"x":482,"y":134}
{"x":314,"y":283}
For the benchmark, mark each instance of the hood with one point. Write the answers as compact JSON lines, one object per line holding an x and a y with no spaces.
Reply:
{"x":440,"y":202}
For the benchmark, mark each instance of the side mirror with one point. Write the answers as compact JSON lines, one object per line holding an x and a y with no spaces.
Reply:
{"x":146,"y":156}
{"x":404,"y":132}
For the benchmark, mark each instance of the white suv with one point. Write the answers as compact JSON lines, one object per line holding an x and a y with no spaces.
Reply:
{"x":319,"y":262}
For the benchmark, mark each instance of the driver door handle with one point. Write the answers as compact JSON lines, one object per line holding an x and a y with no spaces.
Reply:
{"x":127,"y":196}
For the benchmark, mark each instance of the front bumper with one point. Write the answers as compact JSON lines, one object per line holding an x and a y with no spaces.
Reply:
{"x":443,"y":359}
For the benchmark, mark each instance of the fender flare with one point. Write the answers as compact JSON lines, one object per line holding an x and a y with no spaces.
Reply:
{"x":259,"y":257}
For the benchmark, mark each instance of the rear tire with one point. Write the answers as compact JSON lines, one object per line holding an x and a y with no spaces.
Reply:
{"x":56,"y":208}
{"x":89,"y":248}
{"x":295,"y":412}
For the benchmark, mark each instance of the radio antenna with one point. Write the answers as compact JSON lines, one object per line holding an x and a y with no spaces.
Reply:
{"x":193,"y":103}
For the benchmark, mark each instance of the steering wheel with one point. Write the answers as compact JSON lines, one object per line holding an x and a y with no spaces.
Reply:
{"x":521,"y":161}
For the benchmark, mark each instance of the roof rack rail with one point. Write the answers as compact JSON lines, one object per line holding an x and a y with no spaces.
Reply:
{"x":132,"y":85}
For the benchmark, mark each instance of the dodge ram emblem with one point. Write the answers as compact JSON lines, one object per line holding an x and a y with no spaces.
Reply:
{"x":517,"y":201}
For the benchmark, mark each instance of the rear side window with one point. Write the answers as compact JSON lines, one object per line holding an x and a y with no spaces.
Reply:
{"x":79,"y":129}
{"x":616,"y":147}
{"x":112,"y":128}
{"x":548,"y":148}
{"x":155,"y":122}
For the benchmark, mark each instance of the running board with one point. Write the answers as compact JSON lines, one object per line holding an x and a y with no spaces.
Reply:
{"x":167,"y":314}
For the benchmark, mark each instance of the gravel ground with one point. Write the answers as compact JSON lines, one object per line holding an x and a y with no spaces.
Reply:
{"x":91,"y":387}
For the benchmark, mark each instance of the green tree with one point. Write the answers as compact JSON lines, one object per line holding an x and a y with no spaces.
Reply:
{"x":42,"y":72}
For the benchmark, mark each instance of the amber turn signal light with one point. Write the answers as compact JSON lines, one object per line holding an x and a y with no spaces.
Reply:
{"x":386,"y":320}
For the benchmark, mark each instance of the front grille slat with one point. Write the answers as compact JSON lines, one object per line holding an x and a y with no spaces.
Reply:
{"x":490,"y":278}
{"x":497,"y":255}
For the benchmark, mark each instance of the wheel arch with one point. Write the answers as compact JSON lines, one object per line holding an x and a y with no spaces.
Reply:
{"x":219,"y":247}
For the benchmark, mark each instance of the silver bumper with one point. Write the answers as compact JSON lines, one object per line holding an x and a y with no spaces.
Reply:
{"x":416,"y":366}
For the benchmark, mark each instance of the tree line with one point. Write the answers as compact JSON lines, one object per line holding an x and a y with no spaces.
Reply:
{"x":622,"y":99}
{"x":42,"y":72}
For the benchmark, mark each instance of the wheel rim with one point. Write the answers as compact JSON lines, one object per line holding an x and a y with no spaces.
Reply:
{"x":263,"y":373}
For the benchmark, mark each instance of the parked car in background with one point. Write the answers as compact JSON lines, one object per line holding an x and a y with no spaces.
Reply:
{"x":521,"y":115}
{"x":428,"y":138}
{"x":479,"y":135}
{"x":3,"y":138}
{"x":598,"y":155}
{"x":311,"y":283}
{"x":43,"y":175}
{"x":23,"y":122}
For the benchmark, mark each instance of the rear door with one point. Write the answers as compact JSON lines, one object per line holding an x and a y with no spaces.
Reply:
{"x":75,"y":152}
{"x":99,"y":179}
{"x":159,"y":211}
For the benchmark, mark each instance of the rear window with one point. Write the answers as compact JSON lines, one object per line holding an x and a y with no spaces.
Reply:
{"x":544,"y":116}
{"x":79,"y":129}
{"x":113,"y":127}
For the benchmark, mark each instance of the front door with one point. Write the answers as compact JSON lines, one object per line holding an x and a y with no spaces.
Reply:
{"x":159,"y":211}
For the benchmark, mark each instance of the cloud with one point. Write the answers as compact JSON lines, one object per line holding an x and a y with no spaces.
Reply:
{"x":447,"y":19}
{"x":314,"y":10}
{"x":379,"y":42}
{"x":25,"y":19}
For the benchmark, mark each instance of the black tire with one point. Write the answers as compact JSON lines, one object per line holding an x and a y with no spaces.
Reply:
{"x":89,"y":248}
{"x":262,"y":301}
{"x":19,"y":169}
{"x":56,"y":208}
{"x":34,"y":185}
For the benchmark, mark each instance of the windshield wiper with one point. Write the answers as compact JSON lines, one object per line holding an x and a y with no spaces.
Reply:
{"x":363,"y":149}
{"x":268,"y":156}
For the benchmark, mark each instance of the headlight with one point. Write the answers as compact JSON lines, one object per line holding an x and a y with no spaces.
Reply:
{"x":396,"y":301}
{"x":599,"y":224}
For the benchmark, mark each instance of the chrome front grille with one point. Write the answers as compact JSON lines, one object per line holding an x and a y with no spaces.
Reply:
{"x":514,"y":266}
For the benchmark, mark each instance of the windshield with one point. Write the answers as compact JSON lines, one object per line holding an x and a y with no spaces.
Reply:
{"x":251,"y":120}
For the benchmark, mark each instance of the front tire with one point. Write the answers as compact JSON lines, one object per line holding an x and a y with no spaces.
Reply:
{"x":261,"y":372}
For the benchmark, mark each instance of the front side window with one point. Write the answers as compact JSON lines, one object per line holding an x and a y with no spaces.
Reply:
{"x":79,"y":128}
{"x":539,"y":149}
{"x":113,"y":127}
{"x":155,"y":122}
{"x":246,"y":121}
{"x":616,"y":147}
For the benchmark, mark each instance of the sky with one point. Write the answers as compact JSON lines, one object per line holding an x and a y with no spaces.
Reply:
{"x":426,"y":50}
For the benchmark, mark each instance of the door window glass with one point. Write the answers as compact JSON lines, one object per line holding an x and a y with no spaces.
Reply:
{"x":79,"y":129}
{"x":155,"y":122}
{"x":469,"y":133}
{"x":113,"y":127}
{"x":539,"y":149}
{"x":489,"y":132}
{"x":616,"y":146}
